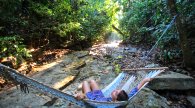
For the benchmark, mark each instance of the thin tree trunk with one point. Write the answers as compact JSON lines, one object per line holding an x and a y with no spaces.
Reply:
{"x":118,"y":30}
{"x":188,"y":58}
{"x":137,"y":69}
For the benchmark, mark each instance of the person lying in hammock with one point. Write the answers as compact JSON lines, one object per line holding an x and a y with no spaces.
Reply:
{"x":91,"y":91}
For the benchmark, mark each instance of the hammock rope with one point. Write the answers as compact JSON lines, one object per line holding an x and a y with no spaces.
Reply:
{"x":21,"y":79}
{"x":126,"y":86}
{"x":168,"y":26}
{"x":113,"y":85}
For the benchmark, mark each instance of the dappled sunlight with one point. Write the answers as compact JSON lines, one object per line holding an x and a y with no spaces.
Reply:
{"x":63,"y":82}
{"x":112,"y":44}
{"x":45,"y":66}
{"x":104,"y":48}
{"x":32,"y":49}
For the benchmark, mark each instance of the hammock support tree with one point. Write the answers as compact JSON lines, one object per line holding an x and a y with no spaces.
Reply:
{"x":123,"y":80}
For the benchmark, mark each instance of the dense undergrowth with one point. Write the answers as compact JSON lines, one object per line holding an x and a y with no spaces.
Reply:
{"x":54,"y":24}
{"x":143,"y":23}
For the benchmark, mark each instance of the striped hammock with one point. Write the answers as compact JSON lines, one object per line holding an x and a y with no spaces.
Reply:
{"x":123,"y":81}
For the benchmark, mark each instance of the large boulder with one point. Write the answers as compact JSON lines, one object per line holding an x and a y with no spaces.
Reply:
{"x":191,"y":99}
{"x":172,"y":81}
{"x":147,"y":98}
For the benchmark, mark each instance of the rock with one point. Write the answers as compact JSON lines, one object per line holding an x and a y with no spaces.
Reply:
{"x":147,"y":98}
{"x":191,"y":99}
{"x":184,"y":72}
{"x":152,"y":65}
{"x":189,"y":69}
{"x":172,"y":81}
{"x":8,"y":63}
{"x":82,"y":54}
{"x":76,"y":65}
{"x":132,"y":50}
{"x":178,"y":70}
{"x":109,"y":68}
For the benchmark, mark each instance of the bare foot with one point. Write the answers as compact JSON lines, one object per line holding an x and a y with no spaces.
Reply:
{"x":80,"y":96}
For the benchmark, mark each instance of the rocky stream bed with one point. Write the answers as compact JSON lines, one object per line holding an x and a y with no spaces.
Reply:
{"x":101,"y":62}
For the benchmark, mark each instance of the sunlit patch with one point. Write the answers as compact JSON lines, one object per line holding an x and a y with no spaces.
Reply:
{"x":46,"y":66}
{"x":104,"y":48}
{"x":32,"y":50}
{"x":63,"y":82}
{"x":112,"y":44}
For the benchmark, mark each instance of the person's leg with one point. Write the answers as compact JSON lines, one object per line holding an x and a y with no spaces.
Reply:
{"x":85,"y":87}
{"x":94,"y":85}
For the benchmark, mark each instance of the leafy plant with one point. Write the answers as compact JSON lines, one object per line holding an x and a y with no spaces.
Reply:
{"x":117,"y":68}
{"x":13,"y":46}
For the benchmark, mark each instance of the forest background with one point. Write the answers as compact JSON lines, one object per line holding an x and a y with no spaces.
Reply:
{"x":29,"y":27}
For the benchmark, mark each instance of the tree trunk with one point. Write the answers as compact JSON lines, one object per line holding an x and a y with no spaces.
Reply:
{"x":188,"y":58}
{"x":118,"y":30}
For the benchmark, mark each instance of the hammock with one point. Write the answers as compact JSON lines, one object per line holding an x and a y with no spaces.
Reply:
{"x":123,"y":81}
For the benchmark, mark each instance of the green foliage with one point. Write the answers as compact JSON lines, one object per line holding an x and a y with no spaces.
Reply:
{"x":144,"y":21}
{"x":76,"y":20}
{"x":117,"y":68}
{"x":141,"y":18}
{"x":64,"y":28}
{"x":9,"y":8}
{"x":13,"y":46}
{"x":66,"y":21}
{"x":168,"y":56}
